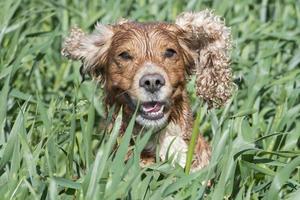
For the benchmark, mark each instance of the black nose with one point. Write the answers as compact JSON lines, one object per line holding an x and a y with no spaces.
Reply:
{"x":152,"y":82}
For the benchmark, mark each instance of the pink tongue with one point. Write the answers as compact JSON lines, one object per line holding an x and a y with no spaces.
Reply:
{"x":150,"y":107}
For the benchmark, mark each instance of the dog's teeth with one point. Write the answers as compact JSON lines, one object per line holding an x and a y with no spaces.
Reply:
{"x":161,"y":109}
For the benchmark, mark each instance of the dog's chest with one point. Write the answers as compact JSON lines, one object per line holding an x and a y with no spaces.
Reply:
{"x":170,"y":144}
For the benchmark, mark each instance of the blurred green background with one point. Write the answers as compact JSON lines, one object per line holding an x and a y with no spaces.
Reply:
{"x":50,"y":147}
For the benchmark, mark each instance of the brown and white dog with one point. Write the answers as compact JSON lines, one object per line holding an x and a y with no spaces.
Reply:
{"x":148,"y":64}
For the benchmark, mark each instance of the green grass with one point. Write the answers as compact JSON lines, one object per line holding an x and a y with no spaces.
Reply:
{"x":50,"y":143}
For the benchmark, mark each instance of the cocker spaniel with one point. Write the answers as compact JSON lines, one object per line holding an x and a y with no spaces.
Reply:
{"x":147,"y":65}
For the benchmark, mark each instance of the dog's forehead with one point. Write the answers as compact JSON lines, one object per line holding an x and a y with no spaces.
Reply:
{"x":151,"y":33}
{"x":144,"y":29}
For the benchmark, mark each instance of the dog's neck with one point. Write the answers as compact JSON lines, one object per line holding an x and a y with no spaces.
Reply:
{"x":184,"y":116}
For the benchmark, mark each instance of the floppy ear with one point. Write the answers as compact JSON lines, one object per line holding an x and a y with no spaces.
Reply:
{"x":208,"y":41}
{"x":90,"y":49}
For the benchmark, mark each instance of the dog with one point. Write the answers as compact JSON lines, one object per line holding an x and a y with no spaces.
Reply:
{"x":146,"y":66}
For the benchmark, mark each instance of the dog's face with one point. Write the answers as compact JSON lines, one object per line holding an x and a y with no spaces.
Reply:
{"x":146,"y":64}
{"x":146,"y":68}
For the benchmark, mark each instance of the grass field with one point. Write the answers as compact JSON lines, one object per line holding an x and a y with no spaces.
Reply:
{"x":50,"y":147}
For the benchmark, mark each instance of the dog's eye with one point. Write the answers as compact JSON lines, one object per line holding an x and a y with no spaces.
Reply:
{"x":125,"y":55}
{"x":170,"y":53}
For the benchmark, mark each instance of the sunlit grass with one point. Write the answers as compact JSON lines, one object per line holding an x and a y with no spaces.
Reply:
{"x":51,"y":146}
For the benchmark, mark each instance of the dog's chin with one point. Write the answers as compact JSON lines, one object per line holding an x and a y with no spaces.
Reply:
{"x":154,"y":124}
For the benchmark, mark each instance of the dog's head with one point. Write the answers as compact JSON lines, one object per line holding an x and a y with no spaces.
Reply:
{"x":147,"y":64}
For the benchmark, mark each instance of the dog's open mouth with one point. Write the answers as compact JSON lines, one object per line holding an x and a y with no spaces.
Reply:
{"x":153,"y":110}
{"x":152,"y":114}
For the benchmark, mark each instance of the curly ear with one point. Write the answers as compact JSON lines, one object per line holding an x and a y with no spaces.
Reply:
{"x":90,"y":49}
{"x":208,"y":40}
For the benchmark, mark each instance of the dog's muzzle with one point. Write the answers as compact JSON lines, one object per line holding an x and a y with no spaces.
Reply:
{"x":153,"y":93}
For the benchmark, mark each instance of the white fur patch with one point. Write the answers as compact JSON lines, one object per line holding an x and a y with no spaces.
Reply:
{"x":171,"y":144}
